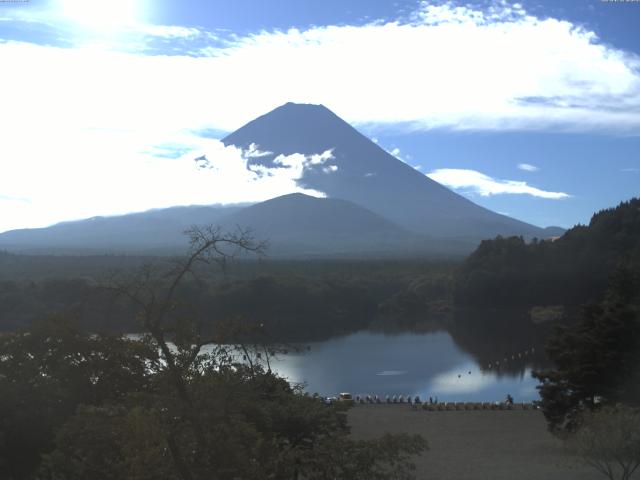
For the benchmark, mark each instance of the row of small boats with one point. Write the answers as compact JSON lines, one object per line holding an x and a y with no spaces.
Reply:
{"x":431,"y":404}
{"x":516,"y":356}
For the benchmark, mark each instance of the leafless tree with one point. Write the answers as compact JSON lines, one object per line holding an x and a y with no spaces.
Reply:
{"x":609,"y":441}
{"x":154,"y":291}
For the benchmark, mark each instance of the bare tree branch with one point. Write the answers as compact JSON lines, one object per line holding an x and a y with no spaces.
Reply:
{"x":154,"y":293}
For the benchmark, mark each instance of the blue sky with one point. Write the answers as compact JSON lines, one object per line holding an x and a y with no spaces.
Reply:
{"x":531,"y":109}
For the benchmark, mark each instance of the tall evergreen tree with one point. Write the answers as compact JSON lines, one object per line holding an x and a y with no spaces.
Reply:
{"x":597,"y":360}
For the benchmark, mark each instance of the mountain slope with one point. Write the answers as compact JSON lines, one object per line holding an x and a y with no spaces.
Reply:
{"x":154,"y":230}
{"x":300,"y":224}
{"x":294,"y":225}
{"x":297,"y":214}
{"x":369,"y":176}
{"x":303,"y":226}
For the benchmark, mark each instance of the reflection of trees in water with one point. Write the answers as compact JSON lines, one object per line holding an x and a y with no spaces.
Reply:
{"x":502,"y":339}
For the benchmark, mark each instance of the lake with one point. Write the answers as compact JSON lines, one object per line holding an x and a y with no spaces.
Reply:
{"x":429,"y":364}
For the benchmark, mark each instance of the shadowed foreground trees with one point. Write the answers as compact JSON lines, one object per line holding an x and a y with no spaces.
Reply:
{"x":254,"y":427}
{"x":597,"y":360}
{"x":48,"y":372}
{"x":78,"y":406}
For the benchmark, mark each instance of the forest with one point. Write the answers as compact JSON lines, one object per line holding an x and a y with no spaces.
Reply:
{"x":570,"y":270}
{"x":296,"y":300}
{"x":80,"y":400}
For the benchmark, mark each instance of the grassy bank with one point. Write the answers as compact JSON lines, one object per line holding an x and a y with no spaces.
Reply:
{"x":465,"y":445}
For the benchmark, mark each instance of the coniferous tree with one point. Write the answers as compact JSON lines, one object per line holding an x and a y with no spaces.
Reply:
{"x":596,"y":360}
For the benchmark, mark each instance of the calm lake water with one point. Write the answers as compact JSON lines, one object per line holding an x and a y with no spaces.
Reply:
{"x":429,"y":364}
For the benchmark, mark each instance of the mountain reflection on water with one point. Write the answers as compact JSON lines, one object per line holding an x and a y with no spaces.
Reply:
{"x":424,"y":364}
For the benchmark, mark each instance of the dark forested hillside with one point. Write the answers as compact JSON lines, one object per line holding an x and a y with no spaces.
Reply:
{"x":573,"y":269}
{"x":295,"y":301}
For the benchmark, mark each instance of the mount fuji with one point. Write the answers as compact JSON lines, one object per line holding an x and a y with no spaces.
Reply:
{"x":374,"y":203}
{"x":367,"y":175}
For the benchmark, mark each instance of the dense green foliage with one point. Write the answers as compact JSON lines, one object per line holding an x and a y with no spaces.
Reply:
{"x":47,"y":373}
{"x":597,"y":360}
{"x":79,"y":406}
{"x":294,"y":301}
{"x":508,"y":272}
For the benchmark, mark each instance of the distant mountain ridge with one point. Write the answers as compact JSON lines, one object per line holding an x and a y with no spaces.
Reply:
{"x":158,"y":230}
{"x":369,"y":176}
{"x":299,"y":224}
{"x":302,"y":215}
{"x":294,"y":225}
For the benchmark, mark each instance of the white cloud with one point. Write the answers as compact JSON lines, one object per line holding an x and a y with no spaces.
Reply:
{"x":167,"y":31}
{"x":456,"y":67}
{"x":484,"y":185}
{"x":321,"y":158}
{"x":527,"y":167}
{"x":254,"y":152}
{"x":396,"y":153}
{"x":70,"y":178}
{"x":78,"y":120}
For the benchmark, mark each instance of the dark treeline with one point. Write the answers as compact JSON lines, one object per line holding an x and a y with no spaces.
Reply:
{"x":295,"y":301}
{"x":571,"y":270}
{"x":501,"y":273}
{"x":18,"y":268}
{"x":596,"y":361}
{"x":22,"y":267}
